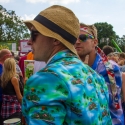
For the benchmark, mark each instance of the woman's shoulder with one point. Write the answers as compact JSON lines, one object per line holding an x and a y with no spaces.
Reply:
{"x":14,"y":78}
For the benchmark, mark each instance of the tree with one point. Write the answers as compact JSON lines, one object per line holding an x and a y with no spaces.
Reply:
{"x":12,"y":27}
{"x":121,"y":42}
{"x":105,"y":33}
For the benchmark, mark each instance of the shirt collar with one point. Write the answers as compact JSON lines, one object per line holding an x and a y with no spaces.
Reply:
{"x":55,"y":55}
{"x":96,"y":61}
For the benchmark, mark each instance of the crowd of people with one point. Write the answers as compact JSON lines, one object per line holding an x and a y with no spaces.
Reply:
{"x":74,"y":81}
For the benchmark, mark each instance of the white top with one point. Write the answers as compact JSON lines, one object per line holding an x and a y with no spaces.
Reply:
{"x":38,"y":65}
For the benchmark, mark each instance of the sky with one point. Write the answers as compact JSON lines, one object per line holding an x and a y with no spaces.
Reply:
{"x":87,"y":11}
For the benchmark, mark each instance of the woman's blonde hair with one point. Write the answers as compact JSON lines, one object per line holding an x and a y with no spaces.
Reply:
{"x":9,"y":71}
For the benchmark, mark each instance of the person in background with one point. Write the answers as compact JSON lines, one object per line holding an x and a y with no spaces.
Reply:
{"x":86,"y":44}
{"x":107,"y":49}
{"x":37,"y":64}
{"x":18,"y":70}
{"x":109,"y":52}
{"x":17,"y":57}
{"x":122,"y":59}
{"x":4,"y":54}
{"x":11,"y":95}
{"x":110,"y":56}
{"x":121,"y":63}
{"x":116,"y":57}
{"x":28,"y":56}
{"x":66,"y":91}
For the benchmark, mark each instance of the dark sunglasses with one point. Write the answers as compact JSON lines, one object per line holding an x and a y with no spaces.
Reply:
{"x":84,"y":37}
{"x":34,"y":34}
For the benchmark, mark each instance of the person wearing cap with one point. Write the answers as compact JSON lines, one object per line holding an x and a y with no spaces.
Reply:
{"x":86,"y":45}
{"x":66,"y":91}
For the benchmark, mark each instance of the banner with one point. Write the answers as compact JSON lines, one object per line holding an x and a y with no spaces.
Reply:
{"x":24,"y":47}
{"x":10,"y":46}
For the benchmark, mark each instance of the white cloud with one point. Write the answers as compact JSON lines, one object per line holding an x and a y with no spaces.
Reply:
{"x":53,"y":1}
{"x":5,"y":1}
{"x":91,"y":18}
{"x":28,"y":17}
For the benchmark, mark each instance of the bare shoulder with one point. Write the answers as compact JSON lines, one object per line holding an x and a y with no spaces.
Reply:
{"x":14,"y":79}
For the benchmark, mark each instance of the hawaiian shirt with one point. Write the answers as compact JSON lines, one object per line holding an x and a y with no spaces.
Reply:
{"x":115,"y":107}
{"x":66,"y":92}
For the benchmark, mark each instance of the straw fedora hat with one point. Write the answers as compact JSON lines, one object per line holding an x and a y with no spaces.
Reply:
{"x":57,"y":22}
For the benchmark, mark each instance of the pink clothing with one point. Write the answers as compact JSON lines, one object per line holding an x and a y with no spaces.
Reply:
{"x":21,"y":63}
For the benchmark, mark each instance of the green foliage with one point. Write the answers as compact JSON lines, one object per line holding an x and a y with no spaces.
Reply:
{"x":106,"y":34}
{"x":12,"y":27}
{"x":29,"y":73}
{"x":121,"y":42}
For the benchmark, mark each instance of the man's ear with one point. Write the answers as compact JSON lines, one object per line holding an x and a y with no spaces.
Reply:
{"x":56,"y":42}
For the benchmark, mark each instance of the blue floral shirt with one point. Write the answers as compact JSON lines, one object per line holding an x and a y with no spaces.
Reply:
{"x":66,"y":92}
{"x":116,"y":112}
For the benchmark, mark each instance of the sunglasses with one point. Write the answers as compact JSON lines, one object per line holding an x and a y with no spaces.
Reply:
{"x":34,"y":34}
{"x":84,"y":37}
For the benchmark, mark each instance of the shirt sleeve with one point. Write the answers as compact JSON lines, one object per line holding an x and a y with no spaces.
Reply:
{"x":44,"y":94}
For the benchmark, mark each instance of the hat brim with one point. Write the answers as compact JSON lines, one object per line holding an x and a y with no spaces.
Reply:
{"x":46,"y":32}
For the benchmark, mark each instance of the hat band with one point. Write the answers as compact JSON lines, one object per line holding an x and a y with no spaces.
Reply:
{"x":55,"y":28}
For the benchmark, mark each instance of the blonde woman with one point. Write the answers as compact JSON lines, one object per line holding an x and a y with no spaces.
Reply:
{"x":11,"y":105}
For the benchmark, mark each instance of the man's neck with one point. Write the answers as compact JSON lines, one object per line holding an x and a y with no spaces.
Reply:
{"x":91,"y":58}
{"x":56,"y":50}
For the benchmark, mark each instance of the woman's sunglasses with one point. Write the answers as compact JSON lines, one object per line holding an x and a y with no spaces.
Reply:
{"x":84,"y":37}
{"x":34,"y":34}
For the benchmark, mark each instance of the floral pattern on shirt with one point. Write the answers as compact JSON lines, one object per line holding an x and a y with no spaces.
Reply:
{"x":66,"y":92}
{"x":115,"y":106}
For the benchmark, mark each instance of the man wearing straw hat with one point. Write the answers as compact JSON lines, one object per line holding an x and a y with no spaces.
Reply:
{"x":66,"y":91}
{"x":86,"y":45}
